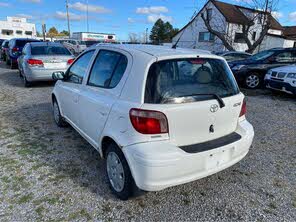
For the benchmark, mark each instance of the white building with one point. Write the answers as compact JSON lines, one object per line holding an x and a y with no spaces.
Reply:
{"x":227,"y":18}
{"x":92,"y":36}
{"x":15,"y":27}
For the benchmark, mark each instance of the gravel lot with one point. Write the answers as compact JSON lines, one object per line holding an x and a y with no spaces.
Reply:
{"x":48,"y":173}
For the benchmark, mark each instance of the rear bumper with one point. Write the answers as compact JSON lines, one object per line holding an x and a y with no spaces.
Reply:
{"x":158,"y":165}
{"x":40,"y":74}
{"x":281,"y":86}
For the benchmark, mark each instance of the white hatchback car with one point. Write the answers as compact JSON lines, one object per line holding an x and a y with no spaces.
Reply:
{"x":159,"y":116}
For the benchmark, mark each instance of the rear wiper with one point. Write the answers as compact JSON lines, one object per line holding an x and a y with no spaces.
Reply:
{"x":216,"y":96}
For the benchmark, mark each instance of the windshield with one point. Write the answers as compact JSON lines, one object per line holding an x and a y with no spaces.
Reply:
{"x":49,"y":50}
{"x":170,"y":80}
{"x":261,"y":55}
{"x":22,"y":43}
{"x":81,"y":42}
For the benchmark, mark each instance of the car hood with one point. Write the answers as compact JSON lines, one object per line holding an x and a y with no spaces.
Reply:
{"x":291,"y":68}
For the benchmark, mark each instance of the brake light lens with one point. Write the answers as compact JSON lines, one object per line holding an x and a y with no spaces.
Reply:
{"x":243,"y":109}
{"x":35,"y":62}
{"x":149,"y":121}
{"x":15,"y":49}
{"x":70,"y":61}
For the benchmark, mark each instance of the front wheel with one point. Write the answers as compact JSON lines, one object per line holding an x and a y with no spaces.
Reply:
{"x":118,"y":172}
{"x":253,"y":81}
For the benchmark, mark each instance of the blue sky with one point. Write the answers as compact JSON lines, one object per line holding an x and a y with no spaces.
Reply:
{"x":119,"y":17}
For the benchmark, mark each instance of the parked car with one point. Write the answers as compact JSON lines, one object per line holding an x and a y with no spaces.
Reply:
{"x":250,"y":73}
{"x":75,"y":46}
{"x":282,"y":79}
{"x":15,"y":47}
{"x":233,"y":55}
{"x":4,"y":48}
{"x":155,"y":125}
{"x":40,"y":59}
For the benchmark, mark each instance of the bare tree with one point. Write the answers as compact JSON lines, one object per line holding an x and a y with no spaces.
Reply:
{"x":261,"y":12}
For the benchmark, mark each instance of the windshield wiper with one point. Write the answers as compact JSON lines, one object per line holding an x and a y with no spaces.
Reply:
{"x":216,"y":96}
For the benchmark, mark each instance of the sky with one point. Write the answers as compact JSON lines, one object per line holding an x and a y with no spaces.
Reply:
{"x":120,"y":17}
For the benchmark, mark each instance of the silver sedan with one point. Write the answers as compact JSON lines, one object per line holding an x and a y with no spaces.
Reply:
{"x":40,"y":59}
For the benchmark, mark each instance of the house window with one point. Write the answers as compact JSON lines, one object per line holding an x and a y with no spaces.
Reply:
{"x":239,"y":38}
{"x":19,"y":32}
{"x":7,"y":32}
{"x":209,"y":14}
{"x":28,"y":32}
{"x":254,"y":36}
{"x":206,"y":37}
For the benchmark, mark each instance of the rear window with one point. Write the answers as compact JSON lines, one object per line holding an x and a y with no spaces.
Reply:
{"x":22,"y":43}
{"x":49,"y":50}
{"x":81,"y":42}
{"x":188,"y":80}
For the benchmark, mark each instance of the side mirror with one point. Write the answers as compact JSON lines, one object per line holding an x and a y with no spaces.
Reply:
{"x":58,"y":75}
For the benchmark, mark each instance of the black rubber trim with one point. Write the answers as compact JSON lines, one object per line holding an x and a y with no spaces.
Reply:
{"x":213,"y":144}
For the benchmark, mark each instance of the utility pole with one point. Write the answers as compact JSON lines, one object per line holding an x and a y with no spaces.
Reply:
{"x":87,"y":16}
{"x":67,"y":7}
{"x":43,"y":30}
{"x":146,"y":36}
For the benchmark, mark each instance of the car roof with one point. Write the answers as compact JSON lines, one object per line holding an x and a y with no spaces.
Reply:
{"x":155,"y":50}
{"x":45,"y":44}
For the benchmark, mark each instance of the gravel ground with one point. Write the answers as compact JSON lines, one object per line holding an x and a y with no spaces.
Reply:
{"x":48,"y":173}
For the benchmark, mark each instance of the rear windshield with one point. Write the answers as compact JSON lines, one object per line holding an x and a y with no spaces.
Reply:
{"x":188,"y":80}
{"x":22,"y":43}
{"x":49,"y":50}
{"x":81,"y":42}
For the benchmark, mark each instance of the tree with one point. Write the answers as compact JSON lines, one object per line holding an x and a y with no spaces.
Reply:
{"x":52,"y":32}
{"x":162,"y":32}
{"x":64,"y":33}
{"x":247,"y":28}
{"x":133,"y":37}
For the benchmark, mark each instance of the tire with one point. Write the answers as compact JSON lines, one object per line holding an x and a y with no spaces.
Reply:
{"x":253,"y":81}
{"x":118,"y":172}
{"x":7,"y":61}
{"x":59,"y":120}
{"x":26,"y":82}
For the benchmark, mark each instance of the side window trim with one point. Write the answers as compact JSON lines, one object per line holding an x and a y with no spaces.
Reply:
{"x":86,"y":74}
{"x":113,"y":71}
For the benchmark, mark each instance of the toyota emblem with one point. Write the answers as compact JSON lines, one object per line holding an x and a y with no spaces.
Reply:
{"x":214,"y":108}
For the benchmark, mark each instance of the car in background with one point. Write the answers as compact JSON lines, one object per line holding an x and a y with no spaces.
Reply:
{"x":156,"y":125}
{"x":40,"y":59}
{"x":233,"y":55}
{"x":3,"y":49}
{"x":251,"y":72}
{"x":75,"y":46}
{"x":1,"y":41}
{"x":282,"y":79}
{"x":15,"y":48}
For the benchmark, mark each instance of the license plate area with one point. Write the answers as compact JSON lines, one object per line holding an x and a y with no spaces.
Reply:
{"x":217,"y":159}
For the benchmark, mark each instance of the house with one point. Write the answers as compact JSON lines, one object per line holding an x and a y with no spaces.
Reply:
{"x":229,"y":20}
{"x":15,"y":27}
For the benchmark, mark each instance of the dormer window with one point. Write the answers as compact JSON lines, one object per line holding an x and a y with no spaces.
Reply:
{"x":209,"y":14}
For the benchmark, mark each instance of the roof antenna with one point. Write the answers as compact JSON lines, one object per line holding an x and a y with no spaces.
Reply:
{"x":175,"y":45}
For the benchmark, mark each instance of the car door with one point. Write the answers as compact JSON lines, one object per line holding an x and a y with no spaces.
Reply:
{"x":282,"y":59}
{"x":101,"y":92}
{"x":71,"y":87}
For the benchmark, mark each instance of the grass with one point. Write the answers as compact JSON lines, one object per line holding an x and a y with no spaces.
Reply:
{"x":25,"y":199}
{"x":80,"y":214}
{"x":39,"y":210}
{"x":49,"y":200}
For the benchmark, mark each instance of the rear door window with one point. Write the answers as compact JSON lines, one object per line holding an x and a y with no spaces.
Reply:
{"x":108,"y":69}
{"x":187,"y":80}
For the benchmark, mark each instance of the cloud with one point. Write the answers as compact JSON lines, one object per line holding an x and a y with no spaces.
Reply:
{"x":73,"y":17}
{"x":130,"y":20}
{"x":292,"y":16}
{"x":277,"y":15}
{"x":4,"y":4}
{"x":91,"y":8}
{"x":152,"y":10}
{"x":153,"y":18}
{"x":32,"y":1}
{"x":24,"y":16}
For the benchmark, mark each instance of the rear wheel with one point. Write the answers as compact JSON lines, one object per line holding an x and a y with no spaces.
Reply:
{"x":7,"y":61}
{"x":253,"y":81}
{"x":26,"y":82}
{"x":118,"y":172}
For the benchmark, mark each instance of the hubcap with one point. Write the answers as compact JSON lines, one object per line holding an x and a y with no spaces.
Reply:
{"x":56,"y":112}
{"x":115,"y":172}
{"x":252,"y":81}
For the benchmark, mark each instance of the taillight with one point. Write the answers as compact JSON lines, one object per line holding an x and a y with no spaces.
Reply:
{"x":243,"y":109}
{"x":148,"y":121}
{"x":35,"y":62}
{"x":15,"y":49}
{"x":70,"y":61}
